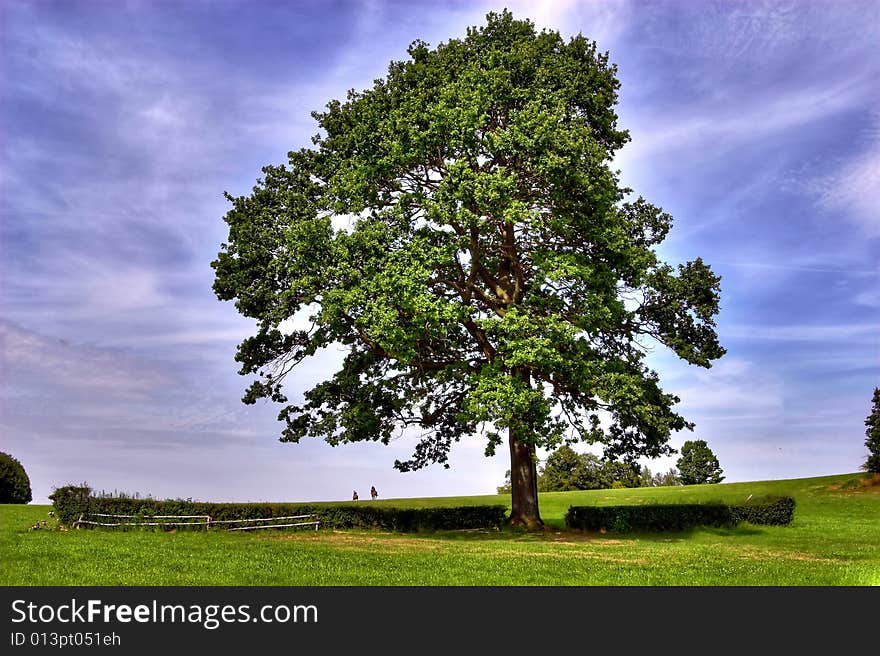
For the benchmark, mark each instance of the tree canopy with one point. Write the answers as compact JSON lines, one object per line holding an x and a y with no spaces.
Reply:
{"x":15,"y":486}
{"x":565,"y":469}
{"x":458,"y":230}
{"x":872,"y":435}
{"x":698,"y":464}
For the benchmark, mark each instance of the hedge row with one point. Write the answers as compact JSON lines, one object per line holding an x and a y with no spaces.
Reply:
{"x":72,"y":501}
{"x":680,"y":517}
{"x":777,"y":511}
{"x":69,"y":501}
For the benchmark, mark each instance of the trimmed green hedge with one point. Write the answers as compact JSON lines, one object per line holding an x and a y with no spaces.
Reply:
{"x":71,"y":501}
{"x":680,"y":517}
{"x":777,"y":511}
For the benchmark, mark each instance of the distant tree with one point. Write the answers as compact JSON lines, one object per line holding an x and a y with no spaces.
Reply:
{"x":698,"y":464}
{"x":504,"y":488}
{"x":565,"y":469}
{"x":495,"y":277}
{"x":872,"y":464}
{"x":621,"y":474}
{"x":668,"y":479}
{"x":15,"y":486}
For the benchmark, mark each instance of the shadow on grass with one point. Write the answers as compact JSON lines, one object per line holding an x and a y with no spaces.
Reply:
{"x":558,"y":534}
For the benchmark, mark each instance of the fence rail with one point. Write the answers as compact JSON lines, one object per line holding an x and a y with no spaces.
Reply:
{"x":153,"y":516}
{"x":313,"y":520}
{"x":258,"y":519}
{"x":251,"y":528}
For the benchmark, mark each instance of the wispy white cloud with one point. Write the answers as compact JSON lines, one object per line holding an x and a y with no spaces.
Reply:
{"x":73,"y":369}
{"x":804,"y":333}
{"x":734,"y":387}
{"x":726,"y":125}
{"x":796,"y":267}
{"x":110,"y":394}
{"x":852,"y":192}
{"x":602,"y":21}
{"x":870,"y":298}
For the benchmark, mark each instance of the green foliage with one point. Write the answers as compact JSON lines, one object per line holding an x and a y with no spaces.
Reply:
{"x":620,"y":475}
{"x":621,"y":519}
{"x":872,"y":435}
{"x":15,"y":486}
{"x":829,"y":544}
{"x":680,"y":517}
{"x":566,"y":470}
{"x":480,"y":285}
{"x":698,"y":465}
{"x":768,"y":511}
{"x":505,"y":488}
{"x":70,"y":503}
{"x":670,"y":478}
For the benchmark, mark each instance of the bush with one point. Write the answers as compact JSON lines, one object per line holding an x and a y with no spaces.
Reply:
{"x":71,"y":501}
{"x":679,"y":517}
{"x":777,"y":511}
{"x":621,"y":519}
{"x":15,"y":486}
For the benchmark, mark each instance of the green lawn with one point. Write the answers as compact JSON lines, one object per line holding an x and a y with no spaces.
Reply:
{"x":834,"y":540}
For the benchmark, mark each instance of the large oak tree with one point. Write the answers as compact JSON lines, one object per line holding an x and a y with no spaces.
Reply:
{"x":493,"y":278}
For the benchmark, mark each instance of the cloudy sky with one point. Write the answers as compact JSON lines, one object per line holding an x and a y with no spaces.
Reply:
{"x":755,"y":124}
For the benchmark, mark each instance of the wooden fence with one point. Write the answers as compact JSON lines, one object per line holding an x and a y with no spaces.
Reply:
{"x":204,"y":520}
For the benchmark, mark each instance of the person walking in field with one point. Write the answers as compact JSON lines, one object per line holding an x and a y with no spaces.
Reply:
{"x":354,"y":496}
{"x":373,"y":492}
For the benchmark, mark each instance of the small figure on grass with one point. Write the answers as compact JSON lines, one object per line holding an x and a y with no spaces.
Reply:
{"x":354,"y":496}
{"x":373,"y":492}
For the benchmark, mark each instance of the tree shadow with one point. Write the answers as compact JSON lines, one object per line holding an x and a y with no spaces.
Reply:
{"x":560,"y":534}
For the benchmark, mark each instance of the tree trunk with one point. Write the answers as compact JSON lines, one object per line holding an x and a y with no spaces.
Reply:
{"x":523,"y":485}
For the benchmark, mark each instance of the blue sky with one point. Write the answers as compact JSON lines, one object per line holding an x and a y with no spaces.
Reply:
{"x":755,"y":124}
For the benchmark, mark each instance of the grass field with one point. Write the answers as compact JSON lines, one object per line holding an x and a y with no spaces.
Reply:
{"x":834,"y":540}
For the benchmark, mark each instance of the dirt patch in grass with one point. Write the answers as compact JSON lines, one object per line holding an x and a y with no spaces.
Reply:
{"x":862,"y":485}
{"x":575,"y":545}
{"x":576,"y":553}
{"x":752,"y":553}
{"x":583,"y":538}
{"x":355,"y":539}
{"x":871,"y":481}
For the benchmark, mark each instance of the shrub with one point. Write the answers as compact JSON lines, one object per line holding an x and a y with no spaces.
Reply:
{"x":679,"y":517}
{"x":15,"y":486}
{"x":70,"y":502}
{"x":777,"y":511}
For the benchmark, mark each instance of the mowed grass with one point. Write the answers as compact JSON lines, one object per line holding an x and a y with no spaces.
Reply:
{"x":834,"y":540}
